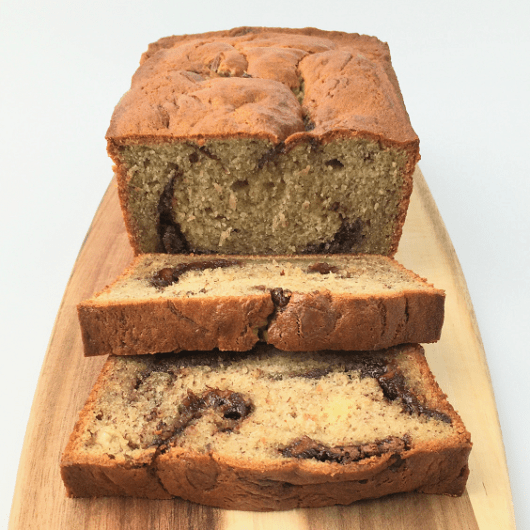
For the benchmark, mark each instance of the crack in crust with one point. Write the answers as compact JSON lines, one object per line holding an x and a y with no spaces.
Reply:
{"x":280,"y":299}
{"x":382,"y":309}
{"x":176,"y":312}
{"x":351,"y":62}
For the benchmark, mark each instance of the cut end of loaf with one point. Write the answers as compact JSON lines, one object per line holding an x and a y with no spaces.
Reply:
{"x":247,"y":197}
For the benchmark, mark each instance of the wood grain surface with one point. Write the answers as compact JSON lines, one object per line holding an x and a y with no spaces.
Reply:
{"x":457,"y":360}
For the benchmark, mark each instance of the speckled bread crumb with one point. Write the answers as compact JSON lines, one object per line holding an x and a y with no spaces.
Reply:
{"x":264,"y":141}
{"x":267,"y":430}
{"x":340,"y":302}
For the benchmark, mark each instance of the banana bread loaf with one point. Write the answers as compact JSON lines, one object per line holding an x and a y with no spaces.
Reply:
{"x":166,"y":303}
{"x":264,"y":141}
{"x":267,"y":430}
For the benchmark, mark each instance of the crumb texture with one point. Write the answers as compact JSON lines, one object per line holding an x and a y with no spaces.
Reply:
{"x":150,"y":403}
{"x":234,"y":196}
{"x":325,"y":415}
{"x":355,"y":275}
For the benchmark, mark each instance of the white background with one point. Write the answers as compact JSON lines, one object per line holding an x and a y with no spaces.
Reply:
{"x":464,"y":70}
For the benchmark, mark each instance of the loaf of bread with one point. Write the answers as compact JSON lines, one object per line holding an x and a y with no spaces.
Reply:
{"x":264,"y":141}
{"x":169,"y":303}
{"x":267,"y":430}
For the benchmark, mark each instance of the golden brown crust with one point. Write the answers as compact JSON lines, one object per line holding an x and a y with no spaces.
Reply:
{"x":173,"y":325}
{"x":108,"y":480}
{"x":313,"y":321}
{"x":436,"y":466}
{"x":86,"y":476}
{"x":321,"y":321}
{"x":207,"y":479}
{"x":223,"y":85}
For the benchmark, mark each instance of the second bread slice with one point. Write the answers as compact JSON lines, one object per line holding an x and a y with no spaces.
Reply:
{"x":267,"y":430}
{"x":170,"y":303}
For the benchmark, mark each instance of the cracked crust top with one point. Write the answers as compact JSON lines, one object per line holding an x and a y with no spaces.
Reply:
{"x":283,"y":85}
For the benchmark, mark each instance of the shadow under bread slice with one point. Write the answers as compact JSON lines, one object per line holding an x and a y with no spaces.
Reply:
{"x":267,"y":430}
{"x":165,"y":303}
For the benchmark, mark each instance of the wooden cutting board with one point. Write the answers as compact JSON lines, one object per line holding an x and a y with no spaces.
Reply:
{"x":457,"y":360}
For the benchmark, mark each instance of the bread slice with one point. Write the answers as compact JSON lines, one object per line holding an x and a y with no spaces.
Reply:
{"x":264,"y":141}
{"x":169,"y":303}
{"x":267,"y":430}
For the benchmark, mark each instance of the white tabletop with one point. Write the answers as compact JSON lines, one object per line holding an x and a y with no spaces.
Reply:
{"x":464,"y":70}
